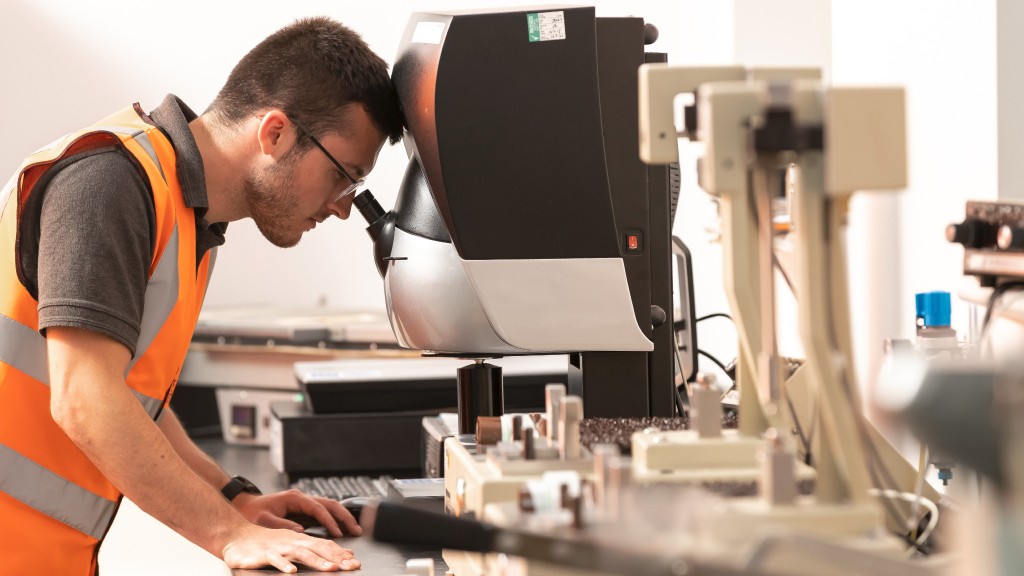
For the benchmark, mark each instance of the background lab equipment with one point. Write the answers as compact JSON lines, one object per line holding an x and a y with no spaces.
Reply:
{"x":366,"y":415}
{"x":241,"y":360}
{"x":526,"y":223}
{"x":750,"y":129}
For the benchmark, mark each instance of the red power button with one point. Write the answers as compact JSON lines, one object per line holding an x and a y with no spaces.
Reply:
{"x":634,"y":241}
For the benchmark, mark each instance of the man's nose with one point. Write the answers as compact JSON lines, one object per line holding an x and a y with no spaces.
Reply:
{"x":341,"y":208}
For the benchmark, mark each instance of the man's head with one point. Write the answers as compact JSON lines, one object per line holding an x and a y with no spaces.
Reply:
{"x":312,"y":84}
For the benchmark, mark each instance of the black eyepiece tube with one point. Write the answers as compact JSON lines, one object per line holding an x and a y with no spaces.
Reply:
{"x":368,"y":206}
{"x":381,"y":227}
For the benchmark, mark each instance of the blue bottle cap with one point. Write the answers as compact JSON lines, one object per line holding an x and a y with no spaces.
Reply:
{"x":933,"y":308}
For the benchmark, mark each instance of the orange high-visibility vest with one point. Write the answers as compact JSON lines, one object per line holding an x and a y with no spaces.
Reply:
{"x":55,"y":505}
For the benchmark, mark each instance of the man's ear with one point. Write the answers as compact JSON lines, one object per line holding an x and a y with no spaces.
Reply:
{"x":275,"y":133}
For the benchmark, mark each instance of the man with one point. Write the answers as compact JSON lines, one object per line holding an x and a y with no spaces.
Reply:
{"x":107,"y":240}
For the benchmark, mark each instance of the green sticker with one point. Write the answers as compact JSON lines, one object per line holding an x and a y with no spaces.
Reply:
{"x":544,"y":26}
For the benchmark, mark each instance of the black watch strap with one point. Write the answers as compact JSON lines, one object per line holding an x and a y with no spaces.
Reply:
{"x":236,"y":486}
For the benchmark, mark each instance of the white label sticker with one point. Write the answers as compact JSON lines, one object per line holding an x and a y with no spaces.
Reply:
{"x":428,"y":32}
{"x":543,"y":26}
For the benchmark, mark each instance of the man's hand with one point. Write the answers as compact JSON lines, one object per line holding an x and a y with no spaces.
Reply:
{"x":257,"y":547}
{"x":270,"y":510}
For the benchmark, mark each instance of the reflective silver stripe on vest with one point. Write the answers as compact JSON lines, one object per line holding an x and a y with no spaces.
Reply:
{"x":140,"y":137}
{"x":33,"y":485}
{"x":143,"y":141}
{"x":23,"y":348}
{"x":150,"y":404}
{"x":161,"y":296}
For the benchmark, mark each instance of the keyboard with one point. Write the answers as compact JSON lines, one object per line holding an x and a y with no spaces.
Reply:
{"x":341,"y":487}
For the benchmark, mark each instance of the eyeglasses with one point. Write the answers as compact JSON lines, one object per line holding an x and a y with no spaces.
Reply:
{"x":353,"y":183}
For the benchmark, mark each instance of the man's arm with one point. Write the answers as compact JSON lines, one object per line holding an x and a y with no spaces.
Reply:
{"x":91,"y":402}
{"x":197,"y":460}
{"x":268,"y":510}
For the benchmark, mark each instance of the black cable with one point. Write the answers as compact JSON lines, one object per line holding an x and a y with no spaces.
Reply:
{"x":678,"y":364}
{"x":679,"y":325}
{"x":993,"y":299}
{"x":714,"y":315}
{"x":679,"y":402}
{"x":715,"y":360}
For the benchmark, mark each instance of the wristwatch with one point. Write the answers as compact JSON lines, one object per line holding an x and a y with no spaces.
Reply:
{"x":236,"y":486}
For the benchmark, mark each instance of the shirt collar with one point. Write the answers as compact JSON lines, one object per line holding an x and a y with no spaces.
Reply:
{"x":172,"y":117}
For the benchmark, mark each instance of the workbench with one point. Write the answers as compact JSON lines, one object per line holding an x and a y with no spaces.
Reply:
{"x":138,"y":544}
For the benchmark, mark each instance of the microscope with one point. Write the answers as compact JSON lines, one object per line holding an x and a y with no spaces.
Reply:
{"x":526,"y":223}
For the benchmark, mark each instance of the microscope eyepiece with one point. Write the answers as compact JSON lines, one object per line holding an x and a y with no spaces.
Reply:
{"x":381,"y":227}
{"x":368,"y":206}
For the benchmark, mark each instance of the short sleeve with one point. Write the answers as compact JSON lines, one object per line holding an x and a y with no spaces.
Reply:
{"x":96,"y":224}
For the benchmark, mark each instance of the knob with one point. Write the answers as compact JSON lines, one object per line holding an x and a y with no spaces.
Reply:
{"x":1010,"y":237}
{"x":650,"y":34}
{"x":972,"y":233}
{"x":658,"y":316}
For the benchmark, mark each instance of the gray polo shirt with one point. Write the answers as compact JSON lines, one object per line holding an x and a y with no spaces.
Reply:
{"x":88,"y":232}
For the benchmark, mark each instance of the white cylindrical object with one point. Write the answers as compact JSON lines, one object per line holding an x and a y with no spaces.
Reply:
{"x":420,"y":567}
{"x":778,"y":470}
{"x":553,"y":394}
{"x":706,"y":408}
{"x":571,"y":409}
{"x":603,"y":453}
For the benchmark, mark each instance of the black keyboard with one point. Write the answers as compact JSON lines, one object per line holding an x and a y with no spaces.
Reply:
{"x":341,"y":487}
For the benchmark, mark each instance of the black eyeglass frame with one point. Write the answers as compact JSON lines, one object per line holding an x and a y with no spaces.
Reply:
{"x":354,"y":184}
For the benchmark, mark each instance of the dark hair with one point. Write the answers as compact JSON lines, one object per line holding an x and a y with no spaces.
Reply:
{"x":311,"y":69}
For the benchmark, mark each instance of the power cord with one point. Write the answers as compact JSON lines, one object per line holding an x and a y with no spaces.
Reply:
{"x":916,"y":540}
{"x":717,"y":363}
{"x":993,"y":299}
{"x":730,"y":373}
{"x":681,"y":324}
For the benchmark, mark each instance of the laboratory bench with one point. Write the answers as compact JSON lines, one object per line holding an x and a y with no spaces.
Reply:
{"x":137,"y":543}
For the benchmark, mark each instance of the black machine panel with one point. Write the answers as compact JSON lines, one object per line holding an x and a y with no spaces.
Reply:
{"x":504,"y":126}
{"x":620,"y":43}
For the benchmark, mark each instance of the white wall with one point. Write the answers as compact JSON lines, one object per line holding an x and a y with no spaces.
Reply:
{"x":944,"y":54}
{"x":1010,"y":88}
{"x":783,"y":33}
